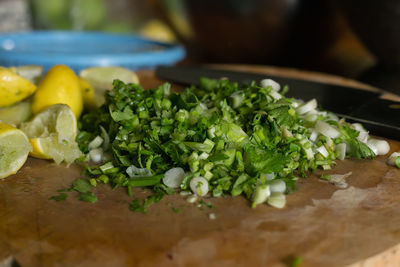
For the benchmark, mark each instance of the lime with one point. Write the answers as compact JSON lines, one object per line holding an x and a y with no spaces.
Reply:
{"x":14,"y":149}
{"x":52,"y":134}
{"x":13,"y":88}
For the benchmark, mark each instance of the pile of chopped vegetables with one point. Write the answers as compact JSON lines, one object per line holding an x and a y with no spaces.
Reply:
{"x":220,"y":138}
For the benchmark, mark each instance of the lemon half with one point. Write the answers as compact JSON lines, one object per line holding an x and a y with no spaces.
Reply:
{"x":14,"y":150}
{"x":52,"y":134}
{"x":101,"y":79}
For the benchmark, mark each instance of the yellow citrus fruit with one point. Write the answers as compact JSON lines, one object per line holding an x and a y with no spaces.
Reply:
{"x":60,"y":85}
{"x":88,"y":95}
{"x":14,"y":150}
{"x":32,"y":73}
{"x":13,"y":88}
{"x":52,"y":134}
{"x":16,"y":113}
{"x":101,"y":79}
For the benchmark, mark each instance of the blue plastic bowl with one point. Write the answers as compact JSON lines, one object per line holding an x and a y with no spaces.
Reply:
{"x":80,"y":50}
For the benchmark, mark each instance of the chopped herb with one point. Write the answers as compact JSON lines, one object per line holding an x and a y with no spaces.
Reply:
{"x":325,"y":177}
{"x":60,"y":197}
{"x":88,"y":197}
{"x":65,"y":190}
{"x":81,"y":185}
{"x":139,"y":205}
{"x":176,"y":210}
{"x":233,"y":135}
{"x":296,"y":262}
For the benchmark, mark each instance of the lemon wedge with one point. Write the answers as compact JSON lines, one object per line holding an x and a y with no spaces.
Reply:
{"x":14,"y":150}
{"x":52,"y":134}
{"x":60,"y":85}
{"x":13,"y":88}
{"x":16,"y":113}
{"x":101,"y":79}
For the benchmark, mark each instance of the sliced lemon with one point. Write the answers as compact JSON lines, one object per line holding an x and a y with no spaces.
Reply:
{"x":16,"y":113}
{"x":59,"y":85}
{"x":101,"y":78}
{"x":14,"y":150}
{"x":13,"y":88}
{"x":52,"y":134}
{"x":32,"y":73}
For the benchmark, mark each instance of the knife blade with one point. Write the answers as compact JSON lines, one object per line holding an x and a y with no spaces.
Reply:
{"x":381,"y":117}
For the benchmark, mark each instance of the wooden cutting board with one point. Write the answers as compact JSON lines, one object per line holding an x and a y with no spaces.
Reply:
{"x":326,"y":226}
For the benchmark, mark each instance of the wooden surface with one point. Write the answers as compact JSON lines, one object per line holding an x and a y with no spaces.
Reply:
{"x":358,"y":226}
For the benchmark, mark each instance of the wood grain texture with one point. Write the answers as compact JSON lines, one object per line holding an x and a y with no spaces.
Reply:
{"x":358,"y":226}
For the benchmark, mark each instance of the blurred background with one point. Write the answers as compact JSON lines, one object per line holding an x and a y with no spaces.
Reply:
{"x":353,"y":38}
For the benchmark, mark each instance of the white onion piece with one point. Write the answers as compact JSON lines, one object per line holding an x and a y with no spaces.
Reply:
{"x":185,"y":193}
{"x":332,"y":117}
{"x":268,"y":82}
{"x":286,"y":133}
{"x":135,"y":172}
{"x":358,"y":127}
{"x":277,"y":200}
{"x":192,"y":199}
{"x":212,"y":216}
{"x":341,"y":148}
{"x":309,"y":152}
{"x":211,"y":132}
{"x":203,"y":106}
{"x":363,"y":136}
{"x":381,"y":146}
{"x":277,"y":185}
{"x":314,"y":135}
{"x":267,"y":176}
{"x":307,"y":107}
{"x":173,"y":177}
{"x":323,"y":151}
{"x":106,"y":137}
{"x":296,"y":103}
{"x":276,"y":95}
{"x":96,"y":155}
{"x":95,"y":143}
{"x":237,"y":99}
{"x":392,"y":158}
{"x":199,"y":186}
{"x":204,"y":155}
{"x":261,"y":194}
{"x":310,"y":116}
{"x":327,"y":129}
